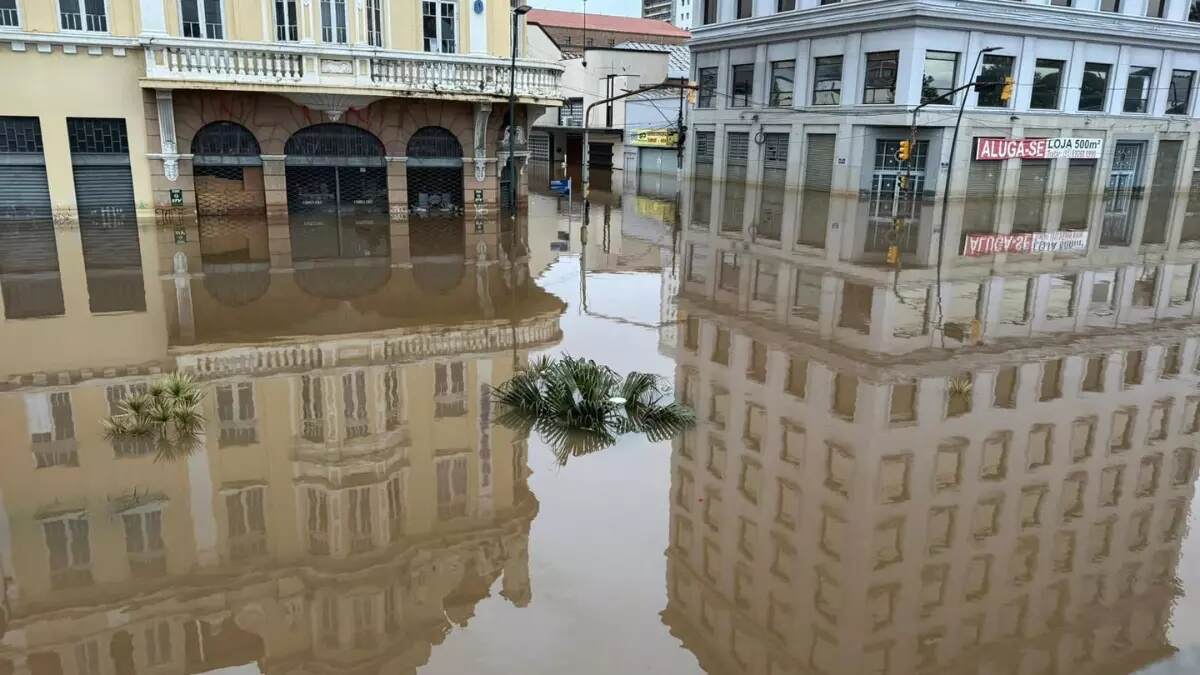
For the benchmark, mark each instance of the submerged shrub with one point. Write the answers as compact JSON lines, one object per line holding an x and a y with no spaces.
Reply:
{"x":579,"y":406}
{"x":168,"y":414}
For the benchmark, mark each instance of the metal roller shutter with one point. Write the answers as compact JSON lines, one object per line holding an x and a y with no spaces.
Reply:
{"x":104,"y":193}
{"x":108,"y":227}
{"x":29,"y":277}
{"x":24,"y":193}
{"x":818,"y":182}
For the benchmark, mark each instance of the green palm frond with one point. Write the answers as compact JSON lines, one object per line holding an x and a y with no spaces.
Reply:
{"x":168,"y":412}
{"x":578,"y":406}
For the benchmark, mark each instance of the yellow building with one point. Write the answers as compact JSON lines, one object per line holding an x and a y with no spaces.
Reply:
{"x":351,"y":499}
{"x":380,"y":110}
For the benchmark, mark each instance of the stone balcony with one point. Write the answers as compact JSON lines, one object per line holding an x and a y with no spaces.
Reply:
{"x":305,"y":68}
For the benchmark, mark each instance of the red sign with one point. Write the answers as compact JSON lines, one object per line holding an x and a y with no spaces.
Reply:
{"x":1026,"y":242}
{"x":1037,"y":148}
{"x":1010,"y":148}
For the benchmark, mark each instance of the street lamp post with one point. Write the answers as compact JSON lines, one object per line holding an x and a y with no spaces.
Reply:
{"x":941,"y":252}
{"x":517,"y":12}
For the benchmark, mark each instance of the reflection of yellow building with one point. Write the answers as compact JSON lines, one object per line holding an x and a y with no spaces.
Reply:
{"x":352,"y":499}
{"x":1010,"y":512}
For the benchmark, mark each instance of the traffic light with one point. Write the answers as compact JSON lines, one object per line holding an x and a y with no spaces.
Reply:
{"x":1006,"y":93}
{"x":905,"y":151}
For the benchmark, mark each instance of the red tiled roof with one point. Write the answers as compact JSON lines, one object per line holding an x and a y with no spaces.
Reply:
{"x":604,"y":22}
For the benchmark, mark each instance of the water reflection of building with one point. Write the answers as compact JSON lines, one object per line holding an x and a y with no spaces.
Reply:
{"x":1047,"y":296}
{"x":1010,"y":511}
{"x":352,"y":500}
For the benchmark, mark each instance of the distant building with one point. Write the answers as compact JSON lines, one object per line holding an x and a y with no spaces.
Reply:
{"x":659,"y":10}
{"x":596,"y":73}
{"x":681,"y":14}
{"x":572,"y":31}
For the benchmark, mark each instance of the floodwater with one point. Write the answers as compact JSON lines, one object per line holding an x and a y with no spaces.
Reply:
{"x":862,"y":493}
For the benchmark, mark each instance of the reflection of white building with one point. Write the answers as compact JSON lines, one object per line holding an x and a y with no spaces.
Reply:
{"x":837,"y":512}
{"x":866,"y":307}
{"x":1119,"y":72}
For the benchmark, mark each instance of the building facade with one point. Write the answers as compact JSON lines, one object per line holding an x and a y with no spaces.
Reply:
{"x":658,"y":10}
{"x":380,"y":110}
{"x":1120,"y":77}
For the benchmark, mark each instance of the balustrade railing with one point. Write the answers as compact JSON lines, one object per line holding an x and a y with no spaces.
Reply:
{"x":347,"y":66}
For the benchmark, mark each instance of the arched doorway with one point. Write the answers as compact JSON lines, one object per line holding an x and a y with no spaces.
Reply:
{"x":337,"y":193}
{"x":435,"y":174}
{"x":231,"y":204}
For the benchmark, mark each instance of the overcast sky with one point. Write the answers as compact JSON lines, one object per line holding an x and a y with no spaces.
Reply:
{"x":618,"y":7}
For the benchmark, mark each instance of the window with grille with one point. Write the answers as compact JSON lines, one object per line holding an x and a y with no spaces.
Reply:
{"x":87,"y":15}
{"x":201,"y":19}
{"x":97,"y":135}
{"x":571,"y":113}
{"x":20,"y":134}
{"x":439,"y":26}
{"x":896,"y":191}
{"x":333,"y":21}
{"x":8,"y":13}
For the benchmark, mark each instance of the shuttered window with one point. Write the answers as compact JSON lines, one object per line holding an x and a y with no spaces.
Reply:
{"x":770,"y":211}
{"x":702,"y":183}
{"x":818,"y":182}
{"x":983,"y":183}
{"x":1032,"y":187}
{"x":1077,"y":202}
{"x":737,"y":154}
{"x":29,"y":275}
{"x":1162,"y":192}
{"x":107,"y":216}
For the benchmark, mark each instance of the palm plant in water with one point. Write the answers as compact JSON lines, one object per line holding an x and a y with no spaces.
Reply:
{"x":167,"y":415}
{"x":579,"y":406}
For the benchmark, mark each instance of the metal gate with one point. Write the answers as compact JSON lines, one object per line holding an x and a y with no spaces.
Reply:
{"x":108,"y":227}
{"x":231,"y":204}
{"x":435,"y":173}
{"x":29,"y":277}
{"x":337,"y":192}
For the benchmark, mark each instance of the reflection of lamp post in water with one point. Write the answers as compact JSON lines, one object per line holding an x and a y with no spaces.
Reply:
{"x":518,"y":11}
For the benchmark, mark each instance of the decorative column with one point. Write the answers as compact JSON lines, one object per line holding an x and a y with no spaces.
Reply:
{"x":166,"y":132}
